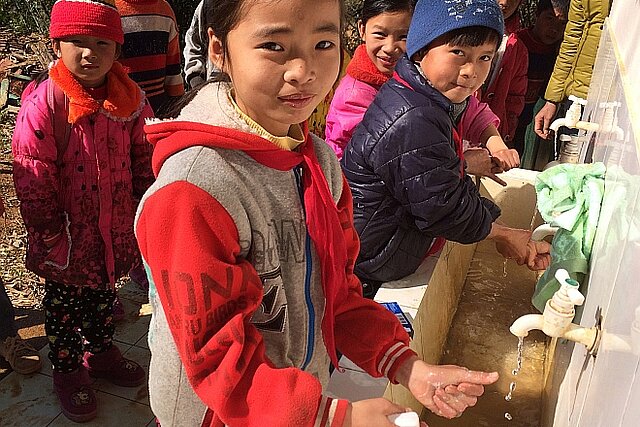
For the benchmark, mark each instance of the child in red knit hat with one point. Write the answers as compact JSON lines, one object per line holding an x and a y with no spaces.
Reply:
{"x":79,"y":193}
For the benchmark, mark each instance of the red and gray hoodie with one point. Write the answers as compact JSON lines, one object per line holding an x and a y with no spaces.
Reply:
{"x":250,"y":249}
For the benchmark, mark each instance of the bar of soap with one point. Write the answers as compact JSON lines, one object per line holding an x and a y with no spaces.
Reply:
{"x":405,"y":419}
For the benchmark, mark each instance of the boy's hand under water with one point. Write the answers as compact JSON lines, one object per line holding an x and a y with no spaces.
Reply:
{"x":446,"y":390}
{"x":516,"y":244}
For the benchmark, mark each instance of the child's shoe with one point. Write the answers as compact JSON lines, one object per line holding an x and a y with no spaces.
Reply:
{"x":118,"y":310}
{"x":77,"y":399}
{"x":23,"y":358}
{"x":115,"y":368}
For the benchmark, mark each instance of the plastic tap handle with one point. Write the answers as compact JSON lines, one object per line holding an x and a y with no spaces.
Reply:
{"x":561,"y":274}
{"x":577,"y":100}
{"x":575,"y":296}
{"x":570,"y":286}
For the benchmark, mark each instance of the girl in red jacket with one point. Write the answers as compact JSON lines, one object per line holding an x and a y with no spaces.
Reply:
{"x":505,"y":87}
{"x":248,"y":236}
{"x":79,"y":171}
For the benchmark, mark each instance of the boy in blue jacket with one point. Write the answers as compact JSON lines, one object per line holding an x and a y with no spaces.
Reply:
{"x":405,"y":162}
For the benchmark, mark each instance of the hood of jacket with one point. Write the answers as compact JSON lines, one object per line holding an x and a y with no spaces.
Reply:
{"x":215,"y":126}
{"x":210,"y":120}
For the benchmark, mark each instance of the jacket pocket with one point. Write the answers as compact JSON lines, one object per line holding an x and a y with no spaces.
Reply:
{"x":60,"y":254}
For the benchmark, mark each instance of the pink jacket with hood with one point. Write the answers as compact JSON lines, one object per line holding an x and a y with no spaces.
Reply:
{"x":79,"y":207}
{"x":359,"y":87}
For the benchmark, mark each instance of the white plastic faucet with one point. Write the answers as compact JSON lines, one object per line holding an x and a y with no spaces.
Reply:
{"x":610,"y":119}
{"x":555,"y":321}
{"x":543,"y":231}
{"x":560,"y":309}
{"x":572,"y":118}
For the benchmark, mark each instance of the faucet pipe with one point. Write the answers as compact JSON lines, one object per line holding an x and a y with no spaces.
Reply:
{"x":572,"y":332}
{"x":524,"y":324}
{"x":543,"y":231}
{"x":559,"y":310}
{"x":585,"y":336}
{"x":587,"y":126}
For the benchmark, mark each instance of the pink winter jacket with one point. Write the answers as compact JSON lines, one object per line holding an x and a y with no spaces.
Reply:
{"x":349,"y":103}
{"x":354,"y":95}
{"x":91,"y":198}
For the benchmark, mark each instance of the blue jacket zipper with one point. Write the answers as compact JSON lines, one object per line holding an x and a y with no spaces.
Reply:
{"x":307,"y":280}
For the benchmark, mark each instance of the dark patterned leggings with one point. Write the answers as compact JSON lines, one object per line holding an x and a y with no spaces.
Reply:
{"x":77,"y":319}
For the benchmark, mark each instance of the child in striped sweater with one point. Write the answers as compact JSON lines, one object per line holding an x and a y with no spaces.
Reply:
{"x":151,"y":51}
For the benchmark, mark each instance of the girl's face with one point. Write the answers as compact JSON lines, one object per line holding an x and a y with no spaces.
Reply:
{"x":385,"y":37}
{"x":549,"y":27}
{"x":457,"y":71}
{"x":88,"y":58}
{"x":283,"y":58}
{"x":508,"y":7}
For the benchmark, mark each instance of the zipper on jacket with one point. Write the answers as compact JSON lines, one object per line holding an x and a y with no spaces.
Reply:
{"x":297,"y":171}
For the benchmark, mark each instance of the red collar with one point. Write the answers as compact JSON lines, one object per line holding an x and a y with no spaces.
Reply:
{"x":362,"y":68}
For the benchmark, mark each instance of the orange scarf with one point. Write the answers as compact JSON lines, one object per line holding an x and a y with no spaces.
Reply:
{"x":124,"y":97}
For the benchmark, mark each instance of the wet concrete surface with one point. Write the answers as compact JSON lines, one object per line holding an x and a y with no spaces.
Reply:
{"x":494,"y":295}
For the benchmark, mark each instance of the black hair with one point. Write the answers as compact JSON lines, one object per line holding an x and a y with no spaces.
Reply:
{"x":372,"y":8}
{"x":543,"y":5}
{"x":466,"y":37}
{"x":221,"y":16}
{"x":562,"y":5}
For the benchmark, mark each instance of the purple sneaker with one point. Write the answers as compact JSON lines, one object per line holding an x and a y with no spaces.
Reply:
{"x":77,"y":399}
{"x":114,"y":367}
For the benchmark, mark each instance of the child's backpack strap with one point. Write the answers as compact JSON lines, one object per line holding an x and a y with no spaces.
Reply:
{"x":58,"y":103}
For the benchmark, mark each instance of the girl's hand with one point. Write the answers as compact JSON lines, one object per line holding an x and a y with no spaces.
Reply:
{"x":480,"y":163}
{"x":371,"y":413}
{"x":508,"y":157}
{"x":446,"y":390}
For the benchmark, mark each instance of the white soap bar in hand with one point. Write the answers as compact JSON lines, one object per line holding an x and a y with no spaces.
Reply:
{"x":405,"y":419}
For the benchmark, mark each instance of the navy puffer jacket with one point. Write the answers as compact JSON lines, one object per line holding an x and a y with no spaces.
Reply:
{"x":403,"y":170}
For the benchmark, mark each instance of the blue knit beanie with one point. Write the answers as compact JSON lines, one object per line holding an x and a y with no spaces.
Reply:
{"x":433,"y":18}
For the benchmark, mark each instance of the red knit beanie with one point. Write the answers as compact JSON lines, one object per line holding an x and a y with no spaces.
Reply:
{"x":97,"y":18}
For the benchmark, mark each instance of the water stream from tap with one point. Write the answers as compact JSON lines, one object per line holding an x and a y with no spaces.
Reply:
{"x":504,"y":269}
{"x":515,"y":372}
{"x":533,"y":219}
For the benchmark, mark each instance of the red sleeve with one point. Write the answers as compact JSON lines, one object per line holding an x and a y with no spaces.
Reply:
{"x":190,"y":243}
{"x":517,"y":89}
{"x":366,"y":332}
